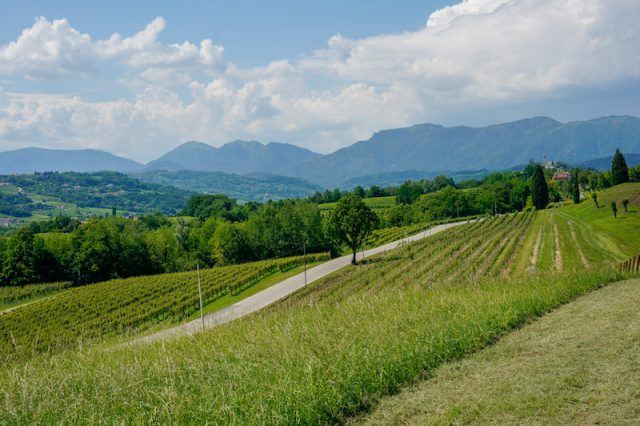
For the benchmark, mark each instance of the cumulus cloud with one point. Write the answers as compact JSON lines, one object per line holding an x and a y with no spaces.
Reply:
{"x":486,"y":55}
{"x":54,"y":49}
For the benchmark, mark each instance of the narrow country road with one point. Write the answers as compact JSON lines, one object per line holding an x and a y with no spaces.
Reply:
{"x":281,"y":290}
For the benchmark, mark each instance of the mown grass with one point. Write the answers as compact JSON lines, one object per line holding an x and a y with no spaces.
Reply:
{"x":302,"y":365}
{"x":577,"y":365}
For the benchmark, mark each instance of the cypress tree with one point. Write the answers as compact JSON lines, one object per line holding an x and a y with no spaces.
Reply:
{"x":575,"y":184}
{"x":619,"y":170}
{"x":539,"y":189}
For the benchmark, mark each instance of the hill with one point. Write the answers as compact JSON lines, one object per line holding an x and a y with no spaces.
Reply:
{"x":430,"y":147}
{"x":398,"y":178}
{"x":254,"y":187}
{"x":32,"y":160}
{"x":43,"y":195}
{"x":604,"y":163}
{"x":234,"y":157}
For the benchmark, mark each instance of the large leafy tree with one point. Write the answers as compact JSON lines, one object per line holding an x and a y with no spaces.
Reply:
{"x":22,"y":258}
{"x":619,"y":170}
{"x":408,"y":192}
{"x":539,"y":188}
{"x":351,"y":222}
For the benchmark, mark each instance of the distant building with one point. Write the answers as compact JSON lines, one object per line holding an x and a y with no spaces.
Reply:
{"x":6,"y":221}
{"x":562,"y":176}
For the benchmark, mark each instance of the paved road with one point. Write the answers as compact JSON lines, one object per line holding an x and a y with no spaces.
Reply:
{"x":281,"y":290}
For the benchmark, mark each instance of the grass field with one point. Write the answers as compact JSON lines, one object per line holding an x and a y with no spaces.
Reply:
{"x":342,"y":344}
{"x":124,"y":306}
{"x":577,"y":365}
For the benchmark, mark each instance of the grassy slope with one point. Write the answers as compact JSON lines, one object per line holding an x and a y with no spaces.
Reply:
{"x":263,"y":284}
{"x":331,"y":350}
{"x":576,"y":365}
{"x":588,"y":236}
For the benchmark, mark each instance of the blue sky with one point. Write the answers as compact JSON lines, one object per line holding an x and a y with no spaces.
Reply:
{"x":138,"y":78}
{"x":253,"y":32}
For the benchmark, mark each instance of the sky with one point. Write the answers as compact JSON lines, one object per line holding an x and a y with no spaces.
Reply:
{"x":139,"y":78}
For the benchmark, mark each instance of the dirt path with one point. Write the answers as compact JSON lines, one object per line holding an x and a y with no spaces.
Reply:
{"x":558,"y":256}
{"x":536,"y":253}
{"x":583,"y":259}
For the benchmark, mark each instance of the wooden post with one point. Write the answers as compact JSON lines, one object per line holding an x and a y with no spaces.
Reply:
{"x":200,"y":293}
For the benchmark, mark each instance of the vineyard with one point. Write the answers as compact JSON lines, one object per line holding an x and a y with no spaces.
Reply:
{"x":10,"y":296}
{"x":121,"y":306}
{"x":397,"y":233}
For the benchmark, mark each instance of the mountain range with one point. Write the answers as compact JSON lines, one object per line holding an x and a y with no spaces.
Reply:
{"x":388,"y":154}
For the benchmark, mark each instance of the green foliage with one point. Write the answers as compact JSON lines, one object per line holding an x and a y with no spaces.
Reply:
{"x":614,"y":209}
{"x":351,"y":222}
{"x":594,"y":197}
{"x":625,"y":204}
{"x":408,"y":192}
{"x":12,"y":295}
{"x":619,"y":170}
{"x":86,"y":313}
{"x":539,"y":188}
{"x":102,"y":189}
{"x":634,"y":174}
{"x":24,"y":259}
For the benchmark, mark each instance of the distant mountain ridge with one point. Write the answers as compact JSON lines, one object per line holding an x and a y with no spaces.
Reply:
{"x":429,"y":147}
{"x":234,"y":157}
{"x":604,"y":163}
{"x":30,"y":160}
{"x":422,"y":148}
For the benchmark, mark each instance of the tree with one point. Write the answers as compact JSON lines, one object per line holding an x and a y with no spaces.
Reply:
{"x":625,"y":203}
{"x":594,"y":197}
{"x":408,"y":193}
{"x":575,"y":186}
{"x":351,"y":222}
{"x":21,"y":258}
{"x":614,"y":209}
{"x":375,"y":191}
{"x":539,"y":188}
{"x":634,"y":174}
{"x":619,"y":170}
{"x":359,"y":192}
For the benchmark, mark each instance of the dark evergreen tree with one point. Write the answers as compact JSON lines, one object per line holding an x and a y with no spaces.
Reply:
{"x":575,"y":185}
{"x":539,"y":188}
{"x":619,"y":170}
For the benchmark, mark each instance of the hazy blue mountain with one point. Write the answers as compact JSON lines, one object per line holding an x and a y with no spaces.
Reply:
{"x":30,"y":160}
{"x":233,"y":157}
{"x":604,"y":163}
{"x":429,"y":147}
{"x":254,"y":187}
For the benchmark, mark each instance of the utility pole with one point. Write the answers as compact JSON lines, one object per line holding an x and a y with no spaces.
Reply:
{"x":304,"y":251}
{"x":200,"y":293}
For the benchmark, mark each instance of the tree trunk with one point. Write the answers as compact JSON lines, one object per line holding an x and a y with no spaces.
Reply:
{"x":353,"y":261}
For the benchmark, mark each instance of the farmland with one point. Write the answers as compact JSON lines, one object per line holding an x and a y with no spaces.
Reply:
{"x":83,"y":314}
{"x":341,"y":344}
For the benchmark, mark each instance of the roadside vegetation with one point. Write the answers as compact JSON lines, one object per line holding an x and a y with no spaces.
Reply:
{"x":338,"y":346}
{"x":82,"y":315}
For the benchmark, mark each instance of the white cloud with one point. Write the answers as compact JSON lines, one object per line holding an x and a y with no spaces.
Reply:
{"x":50,"y":50}
{"x":476,"y":55}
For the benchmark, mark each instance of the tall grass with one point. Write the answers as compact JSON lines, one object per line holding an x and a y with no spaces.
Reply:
{"x":313,"y":363}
